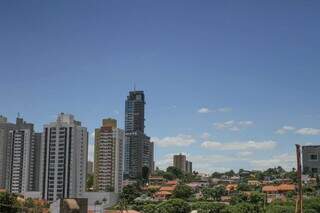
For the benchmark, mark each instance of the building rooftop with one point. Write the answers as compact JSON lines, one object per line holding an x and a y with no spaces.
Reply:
{"x":72,"y":204}
{"x":172,"y":182}
{"x":279,"y":188}
{"x":167,"y":188}
{"x":163,"y":193}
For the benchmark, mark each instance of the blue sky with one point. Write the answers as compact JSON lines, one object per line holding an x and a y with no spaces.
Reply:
{"x":221,"y":78}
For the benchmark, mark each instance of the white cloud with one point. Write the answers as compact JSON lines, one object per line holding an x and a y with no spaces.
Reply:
{"x":287,"y":161}
{"x":226,"y":162}
{"x":172,"y":107}
{"x":167,"y":160}
{"x":207,"y":110}
{"x":224,"y":109}
{"x":205,"y":136}
{"x":200,"y":159}
{"x":249,"y":145}
{"x":308,"y":131}
{"x":245,"y":154}
{"x":285,"y":129}
{"x":301,"y":131}
{"x":203,"y":110}
{"x":211,"y":163}
{"x":233,"y":125}
{"x":203,"y":163}
{"x":180,"y":140}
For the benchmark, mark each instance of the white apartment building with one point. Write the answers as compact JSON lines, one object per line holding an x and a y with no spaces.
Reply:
{"x":64,"y":154}
{"x":20,"y":156}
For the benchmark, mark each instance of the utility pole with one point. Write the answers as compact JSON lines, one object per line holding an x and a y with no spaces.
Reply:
{"x":299,"y":201}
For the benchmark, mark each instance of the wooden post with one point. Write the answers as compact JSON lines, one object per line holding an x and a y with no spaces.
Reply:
{"x":299,"y":201}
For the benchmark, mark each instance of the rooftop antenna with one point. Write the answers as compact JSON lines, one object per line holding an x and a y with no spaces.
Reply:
{"x":134,"y":86}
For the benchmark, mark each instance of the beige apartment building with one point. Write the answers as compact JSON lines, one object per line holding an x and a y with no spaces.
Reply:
{"x":108,"y":157}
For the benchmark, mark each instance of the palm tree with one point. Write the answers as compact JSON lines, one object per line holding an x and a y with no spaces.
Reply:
{"x":123,"y":205}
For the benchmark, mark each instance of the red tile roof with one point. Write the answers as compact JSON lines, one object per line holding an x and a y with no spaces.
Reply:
{"x":116,"y":211}
{"x":168,"y":188}
{"x":163,"y":193}
{"x":279,"y":188}
{"x":172,"y":182}
{"x":286,"y":187}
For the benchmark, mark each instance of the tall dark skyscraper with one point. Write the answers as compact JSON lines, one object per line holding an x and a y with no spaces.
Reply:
{"x":134,"y":120}
{"x":138,"y":151}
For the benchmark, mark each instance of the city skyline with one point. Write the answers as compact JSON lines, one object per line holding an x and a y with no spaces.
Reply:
{"x":230,"y":85}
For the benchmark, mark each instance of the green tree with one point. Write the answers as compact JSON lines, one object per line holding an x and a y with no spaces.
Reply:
{"x":89,"y":183}
{"x":123,"y":205}
{"x":239,"y":198}
{"x":208,"y":207}
{"x":188,"y":177}
{"x":29,"y":203}
{"x":292,"y":175}
{"x":312,"y":204}
{"x":8,"y":202}
{"x":257,"y":198}
{"x":173,"y":206}
{"x":230,"y":173}
{"x":214,"y":193}
{"x":280,"y":209}
{"x":149,"y":208}
{"x":175,"y":171}
{"x":169,"y":176}
{"x":216,"y":175}
{"x":243,"y":187}
{"x":158,"y":172}
{"x":243,"y":208}
{"x":129,"y":193}
{"x":182,"y":191}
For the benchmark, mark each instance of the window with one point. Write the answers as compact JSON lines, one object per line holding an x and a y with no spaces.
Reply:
{"x":314,"y":170}
{"x":313,"y":157}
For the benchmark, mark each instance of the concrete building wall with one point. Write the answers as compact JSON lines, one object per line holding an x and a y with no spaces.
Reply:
{"x":90,"y":168}
{"x":109,"y":157}
{"x":110,"y":197}
{"x":36,"y":162}
{"x":136,"y":143}
{"x":188,"y":166}
{"x":179,"y":161}
{"x":5,"y":127}
{"x":64,"y":154}
{"x":17,"y":156}
{"x":311,"y":159}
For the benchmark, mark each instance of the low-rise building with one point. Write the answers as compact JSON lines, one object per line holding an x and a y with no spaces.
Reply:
{"x":311,"y":159}
{"x":156,"y":180}
{"x":254,"y":183}
{"x":231,"y":187}
{"x":279,"y":189}
{"x":198,"y":185}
